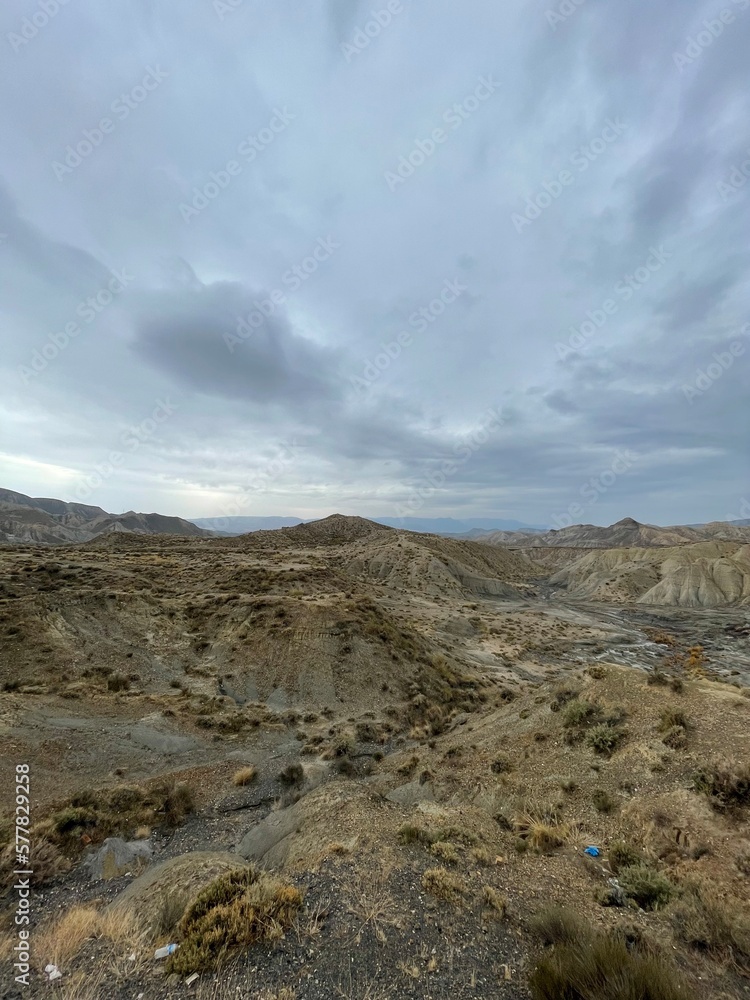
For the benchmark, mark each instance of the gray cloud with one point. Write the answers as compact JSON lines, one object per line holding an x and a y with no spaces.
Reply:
{"x":287,"y":388}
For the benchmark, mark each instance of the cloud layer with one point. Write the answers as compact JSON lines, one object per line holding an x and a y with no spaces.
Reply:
{"x":472,"y":260}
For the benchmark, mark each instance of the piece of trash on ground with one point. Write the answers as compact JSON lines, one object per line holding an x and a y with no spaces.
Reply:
{"x":593,"y":852}
{"x":168,"y":949}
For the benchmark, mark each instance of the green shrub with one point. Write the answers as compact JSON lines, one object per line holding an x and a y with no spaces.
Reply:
{"x":605,"y":739}
{"x":579,"y":713}
{"x":239,"y":909}
{"x":647,"y":887}
{"x":623,"y":855}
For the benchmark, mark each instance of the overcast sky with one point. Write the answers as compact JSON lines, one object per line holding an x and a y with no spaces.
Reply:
{"x":495,"y":244}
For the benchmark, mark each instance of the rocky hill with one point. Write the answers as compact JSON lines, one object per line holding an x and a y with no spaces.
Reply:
{"x":703,"y":574}
{"x":28,"y":520}
{"x":626,"y":533}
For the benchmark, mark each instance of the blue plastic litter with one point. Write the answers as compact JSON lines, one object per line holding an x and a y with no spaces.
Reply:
{"x":593,"y":852}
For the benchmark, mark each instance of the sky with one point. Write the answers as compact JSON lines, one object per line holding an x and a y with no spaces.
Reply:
{"x":383,"y":258}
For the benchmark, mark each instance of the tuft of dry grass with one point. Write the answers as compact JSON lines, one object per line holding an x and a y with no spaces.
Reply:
{"x":539,"y":835}
{"x":443,"y":884}
{"x":494,"y":901}
{"x":245,"y":776}
{"x":726,"y":783}
{"x":60,"y":941}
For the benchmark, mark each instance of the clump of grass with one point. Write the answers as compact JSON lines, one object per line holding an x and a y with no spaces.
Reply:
{"x":579,"y":712}
{"x":118,"y":682}
{"x":293,"y":775}
{"x":556,"y":925}
{"x":45,"y":861}
{"x":564,"y":693}
{"x":444,"y":884}
{"x":624,"y":855}
{"x":648,"y":888}
{"x":239,"y":909}
{"x":494,"y":901}
{"x":245,"y":776}
{"x":726,"y":783}
{"x":501,"y":764}
{"x":603,"y":802}
{"x":708,"y":923}
{"x":675,"y":738}
{"x":540,"y":836}
{"x":446,"y":852}
{"x":592,"y":966}
{"x":672,"y":717}
{"x":605,"y":739}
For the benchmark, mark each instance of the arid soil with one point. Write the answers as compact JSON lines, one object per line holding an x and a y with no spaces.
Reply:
{"x":430,"y":732}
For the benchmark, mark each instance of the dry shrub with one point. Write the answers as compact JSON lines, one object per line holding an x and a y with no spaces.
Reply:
{"x":245,"y":776}
{"x":443,"y":884}
{"x":647,"y":887}
{"x":494,"y":901}
{"x":45,"y":861}
{"x":726,"y":783}
{"x":239,"y":909}
{"x":605,"y":739}
{"x":539,"y":835}
{"x":446,"y":852}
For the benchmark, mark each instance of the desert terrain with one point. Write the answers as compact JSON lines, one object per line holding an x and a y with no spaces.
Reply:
{"x":345,"y":760}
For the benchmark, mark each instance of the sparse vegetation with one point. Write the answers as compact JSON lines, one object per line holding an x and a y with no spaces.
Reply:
{"x":585,"y":965}
{"x":648,"y":888}
{"x":605,"y":739}
{"x":726,"y":783}
{"x":245,"y":776}
{"x":443,"y":884}
{"x":239,"y":909}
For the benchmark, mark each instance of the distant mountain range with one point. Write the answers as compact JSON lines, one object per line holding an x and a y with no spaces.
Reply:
{"x":626,"y":533}
{"x":45,"y":521}
{"x":428,"y":525}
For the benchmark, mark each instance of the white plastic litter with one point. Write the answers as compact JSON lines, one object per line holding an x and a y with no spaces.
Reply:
{"x":53,"y":973}
{"x":168,"y":949}
{"x":191,"y":979}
